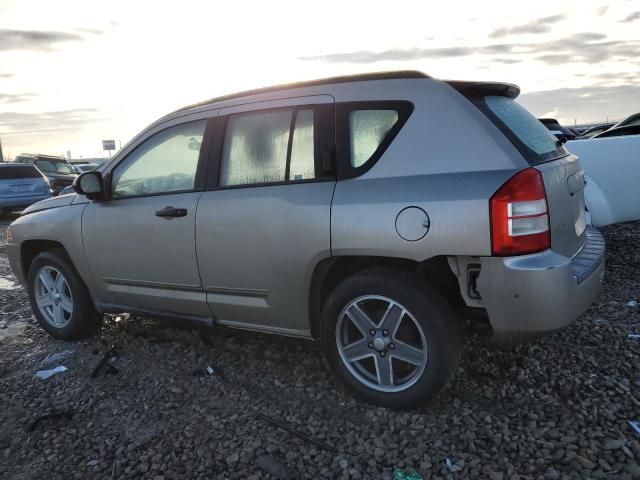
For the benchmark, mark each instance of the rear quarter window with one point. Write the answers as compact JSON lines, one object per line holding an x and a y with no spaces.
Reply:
{"x":14,"y":172}
{"x":536,"y":143}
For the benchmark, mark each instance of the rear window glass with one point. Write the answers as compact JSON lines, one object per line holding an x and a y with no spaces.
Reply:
{"x":18,"y":171}
{"x":531,"y":137}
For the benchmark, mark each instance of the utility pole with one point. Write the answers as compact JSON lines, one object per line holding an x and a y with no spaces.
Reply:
{"x":1,"y":156}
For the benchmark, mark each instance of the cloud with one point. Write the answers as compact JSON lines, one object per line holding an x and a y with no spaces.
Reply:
{"x":14,"y":98}
{"x":632,"y":17}
{"x":589,"y":104}
{"x":602,"y":10}
{"x":6,"y":75}
{"x":587,"y":47}
{"x":21,"y":123}
{"x":33,"y":39}
{"x":541,"y":25}
{"x":396,"y":54}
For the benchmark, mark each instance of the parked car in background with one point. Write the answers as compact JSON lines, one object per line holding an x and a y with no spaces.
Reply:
{"x":20,"y":186}
{"x":629,"y":121}
{"x":318,"y":216}
{"x":58,"y":170}
{"x":561,"y":133}
{"x":595,"y":130}
{"x":623,"y":131}
{"x":611,"y":166}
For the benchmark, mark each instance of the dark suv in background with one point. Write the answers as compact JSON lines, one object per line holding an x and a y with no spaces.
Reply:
{"x":57,"y":169}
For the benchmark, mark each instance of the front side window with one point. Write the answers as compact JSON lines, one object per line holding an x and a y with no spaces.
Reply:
{"x":164,"y":163}
{"x":268,"y":147}
{"x":368,"y":129}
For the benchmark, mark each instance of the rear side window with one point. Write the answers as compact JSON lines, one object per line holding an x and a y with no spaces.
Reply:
{"x":368,"y":129}
{"x":530,"y":137}
{"x":15,"y":172}
{"x":365,"y":130}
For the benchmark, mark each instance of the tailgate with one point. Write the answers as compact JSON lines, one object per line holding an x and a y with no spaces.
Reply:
{"x":564,"y":185}
{"x":22,"y":188}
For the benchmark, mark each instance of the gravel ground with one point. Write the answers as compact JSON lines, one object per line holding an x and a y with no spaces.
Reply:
{"x":555,"y":409}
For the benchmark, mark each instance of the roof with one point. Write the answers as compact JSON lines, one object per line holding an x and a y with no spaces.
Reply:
{"x":363,"y":77}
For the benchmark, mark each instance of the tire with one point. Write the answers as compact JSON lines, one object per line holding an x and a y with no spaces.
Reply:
{"x":83,"y":320}
{"x":425,"y":319}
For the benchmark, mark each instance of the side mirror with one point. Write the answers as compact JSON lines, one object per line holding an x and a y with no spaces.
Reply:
{"x":90,"y":184}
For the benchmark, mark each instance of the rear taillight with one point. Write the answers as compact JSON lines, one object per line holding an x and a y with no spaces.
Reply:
{"x":519,"y":215}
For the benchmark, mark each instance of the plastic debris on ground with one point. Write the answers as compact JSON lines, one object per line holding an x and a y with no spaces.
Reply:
{"x":303,"y":436}
{"x":452,"y":467}
{"x":632,"y":303}
{"x":635,"y":425}
{"x":44,"y":374}
{"x":106,"y":363}
{"x":3,"y":324}
{"x":55,"y":358}
{"x":404,"y":475}
{"x":633,"y":335}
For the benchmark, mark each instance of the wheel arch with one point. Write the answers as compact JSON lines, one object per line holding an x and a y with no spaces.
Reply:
{"x":330,"y":271}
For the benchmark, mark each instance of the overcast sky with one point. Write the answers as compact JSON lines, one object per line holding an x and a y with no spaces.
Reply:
{"x":74,"y":72}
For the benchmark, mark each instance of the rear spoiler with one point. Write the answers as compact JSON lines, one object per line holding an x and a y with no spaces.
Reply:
{"x":474,"y":89}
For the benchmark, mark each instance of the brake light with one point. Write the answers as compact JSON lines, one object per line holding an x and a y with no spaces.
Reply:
{"x":519,"y":215}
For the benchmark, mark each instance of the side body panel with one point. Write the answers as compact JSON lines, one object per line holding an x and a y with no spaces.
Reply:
{"x":62,"y":225}
{"x":449,"y":176}
{"x":612,"y":193}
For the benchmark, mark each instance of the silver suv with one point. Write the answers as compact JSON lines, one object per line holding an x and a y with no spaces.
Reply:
{"x":367,"y":212}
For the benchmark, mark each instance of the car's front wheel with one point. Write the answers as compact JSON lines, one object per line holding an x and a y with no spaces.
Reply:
{"x":390,"y":337}
{"x":59,"y":298}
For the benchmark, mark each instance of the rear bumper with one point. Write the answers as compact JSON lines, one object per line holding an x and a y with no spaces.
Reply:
{"x":21,"y":202}
{"x":529,"y":296}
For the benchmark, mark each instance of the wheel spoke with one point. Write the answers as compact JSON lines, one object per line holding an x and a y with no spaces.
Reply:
{"x":66,"y":304}
{"x":59,"y":283}
{"x":405,"y":352}
{"x":58,"y":315}
{"x":360,"y":319}
{"x":46,"y":280}
{"x":44,"y":300}
{"x":392,"y":318}
{"x":384,"y":370}
{"x":357,"y":351}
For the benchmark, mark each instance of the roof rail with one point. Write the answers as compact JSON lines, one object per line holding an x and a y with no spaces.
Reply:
{"x":362,"y":77}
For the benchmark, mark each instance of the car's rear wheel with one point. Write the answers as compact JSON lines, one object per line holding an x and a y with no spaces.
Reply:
{"x":59,"y":298}
{"x":390,"y":337}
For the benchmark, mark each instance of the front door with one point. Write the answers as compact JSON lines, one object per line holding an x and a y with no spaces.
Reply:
{"x":265,"y":223}
{"x":140,"y":242}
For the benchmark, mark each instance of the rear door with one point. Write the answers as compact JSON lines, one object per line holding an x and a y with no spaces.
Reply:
{"x":264,"y":221}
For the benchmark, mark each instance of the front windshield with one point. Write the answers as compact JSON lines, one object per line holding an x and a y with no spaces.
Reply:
{"x":49,"y":166}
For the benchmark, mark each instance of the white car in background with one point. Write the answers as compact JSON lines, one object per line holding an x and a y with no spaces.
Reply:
{"x":612,"y":170}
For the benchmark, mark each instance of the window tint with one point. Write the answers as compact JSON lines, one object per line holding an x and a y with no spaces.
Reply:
{"x":165,"y":162}
{"x":539,"y":142}
{"x":302,"y":147}
{"x":256,"y":146}
{"x":12,"y":172}
{"x":368,"y":129}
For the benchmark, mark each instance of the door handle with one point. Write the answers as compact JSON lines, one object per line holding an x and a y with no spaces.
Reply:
{"x":171,"y":212}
